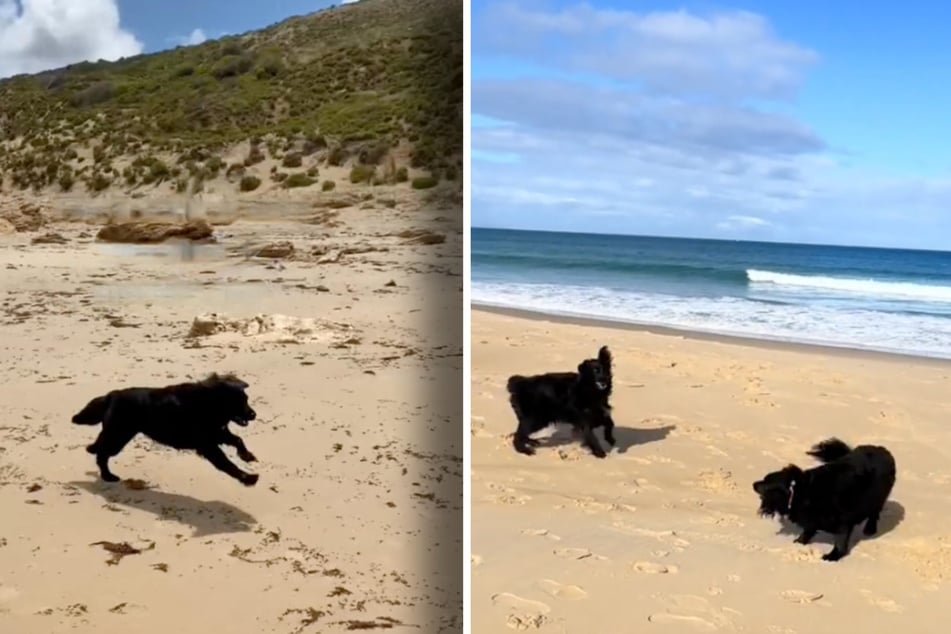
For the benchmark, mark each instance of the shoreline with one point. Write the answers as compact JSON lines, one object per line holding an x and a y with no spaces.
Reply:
{"x":695,"y":335}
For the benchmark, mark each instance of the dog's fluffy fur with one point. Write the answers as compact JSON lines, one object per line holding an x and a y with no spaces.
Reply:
{"x":850,"y":486}
{"x":191,"y":415}
{"x":579,"y":398}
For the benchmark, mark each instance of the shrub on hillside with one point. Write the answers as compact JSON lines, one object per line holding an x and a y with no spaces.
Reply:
{"x":328,"y":186}
{"x":232,"y":66}
{"x":361,"y":173}
{"x":66,"y":182}
{"x":97,"y":93}
{"x":255,"y":156}
{"x":299,"y":180}
{"x":249,"y":183}
{"x":424,"y":182}
{"x":98,"y":182}
{"x":337,"y":156}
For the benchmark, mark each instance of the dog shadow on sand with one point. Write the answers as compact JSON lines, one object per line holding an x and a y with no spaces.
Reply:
{"x":892,"y":515}
{"x":626,"y":437}
{"x":205,"y":517}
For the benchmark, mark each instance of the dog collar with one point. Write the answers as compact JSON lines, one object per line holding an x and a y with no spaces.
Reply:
{"x":792,"y":491}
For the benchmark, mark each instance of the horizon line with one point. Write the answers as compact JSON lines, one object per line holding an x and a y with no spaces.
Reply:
{"x":670,"y":237}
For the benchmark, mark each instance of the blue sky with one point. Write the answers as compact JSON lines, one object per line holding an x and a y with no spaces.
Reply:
{"x":161,"y":24}
{"x":38,"y":35}
{"x":742,"y":120}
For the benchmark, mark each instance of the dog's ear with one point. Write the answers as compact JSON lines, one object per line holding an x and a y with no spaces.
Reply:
{"x":604,"y":357}
{"x":792,"y":472}
{"x":759,"y":486}
{"x":585,"y":371}
{"x":235,"y":382}
{"x":228,"y":380}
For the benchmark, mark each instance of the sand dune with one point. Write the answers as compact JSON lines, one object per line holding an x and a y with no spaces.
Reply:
{"x":662,"y":535}
{"x":358,"y":435}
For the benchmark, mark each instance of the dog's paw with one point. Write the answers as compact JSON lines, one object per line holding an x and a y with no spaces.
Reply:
{"x":870,"y":529}
{"x":525,"y":449}
{"x":611,"y":441}
{"x":834,"y":555}
{"x":804,"y":538}
{"x":250,"y":479}
{"x":110,"y":477}
{"x":599,"y":453}
{"x":247,"y":456}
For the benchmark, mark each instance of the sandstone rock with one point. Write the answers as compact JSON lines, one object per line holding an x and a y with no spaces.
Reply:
{"x":275,"y":250}
{"x":155,"y":232}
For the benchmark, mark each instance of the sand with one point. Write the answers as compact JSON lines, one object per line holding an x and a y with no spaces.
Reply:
{"x":352,"y":347}
{"x":662,"y":535}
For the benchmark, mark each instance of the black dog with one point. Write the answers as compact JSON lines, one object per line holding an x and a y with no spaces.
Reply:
{"x":852,"y":485}
{"x":184,"y":416}
{"x":579,"y":398}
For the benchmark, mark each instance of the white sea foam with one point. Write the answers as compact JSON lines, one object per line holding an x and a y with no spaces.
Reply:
{"x":867,"y":288}
{"x":923,"y":335}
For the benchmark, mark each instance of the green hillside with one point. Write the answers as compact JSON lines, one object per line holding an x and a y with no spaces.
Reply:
{"x":375,"y":86}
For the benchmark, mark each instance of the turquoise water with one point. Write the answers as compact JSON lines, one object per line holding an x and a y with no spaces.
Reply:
{"x":891,"y":300}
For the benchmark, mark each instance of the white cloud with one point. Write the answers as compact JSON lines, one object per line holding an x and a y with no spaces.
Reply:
{"x":734,"y":223}
{"x":195,"y":37}
{"x":49,"y":34}
{"x":732,"y":53}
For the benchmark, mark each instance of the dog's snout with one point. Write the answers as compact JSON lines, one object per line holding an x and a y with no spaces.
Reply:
{"x":757,"y":486}
{"x":252,"y":414}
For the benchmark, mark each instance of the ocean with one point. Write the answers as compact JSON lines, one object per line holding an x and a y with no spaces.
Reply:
{"x":889,"y":300}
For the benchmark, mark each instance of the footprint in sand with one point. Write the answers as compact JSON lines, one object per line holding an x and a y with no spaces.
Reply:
{"x":578,"y":553}
{"x":562,"y":590}
{"x":540,"y":532}
{"x":520,"y":605}
{"x":800,"y":596}
{"x":476,"y":560}
{"x":668,"y":537}
{"x":718,"y":481}
{"x":727,"y":519}
{"x":693,"y":613}
{"x":695,"y":623}
{"x":653,"y":568}
{"x":882,"y":603}
{"x":522,"y":622}
{"x":508,"y":498}
{"x":8,"y":593}
{"x":506,"y":495}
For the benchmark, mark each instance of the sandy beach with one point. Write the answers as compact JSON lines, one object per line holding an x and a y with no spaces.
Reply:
{"x":351,"y":343}
{"x":663,"y":535}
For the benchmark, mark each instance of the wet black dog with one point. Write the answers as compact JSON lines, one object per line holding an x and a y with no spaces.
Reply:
{"x":184,"y":416}
{"x":851,"y":486}
{"x":579,"y":398}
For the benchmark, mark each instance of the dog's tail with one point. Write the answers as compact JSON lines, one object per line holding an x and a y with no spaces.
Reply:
{"x":94,"y":411}
{"x":829,"y":450}
{"x":604,"y":356}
